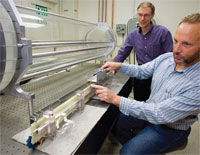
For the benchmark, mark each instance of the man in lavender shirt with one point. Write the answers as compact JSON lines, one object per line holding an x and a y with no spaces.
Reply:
{"x":148,"y":41}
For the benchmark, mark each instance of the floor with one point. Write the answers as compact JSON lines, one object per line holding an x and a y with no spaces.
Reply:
{"x":192,"y":148}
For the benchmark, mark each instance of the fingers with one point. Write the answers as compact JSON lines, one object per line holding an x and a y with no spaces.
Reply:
{"x":108,"y":67}
{"x":111,"y":66}
{"x":114,"y":72}
{"x":105,"y":66}
{"x":97,"y":86}
{"x":99,"y":89}
{"x":101,"y":97}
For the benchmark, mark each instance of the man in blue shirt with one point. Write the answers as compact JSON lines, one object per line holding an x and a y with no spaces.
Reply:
{"x":148,"y":41}
{"x":165,"y":119}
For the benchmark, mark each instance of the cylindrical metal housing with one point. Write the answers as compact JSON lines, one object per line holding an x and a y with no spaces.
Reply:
{"x":57,"y":42}
{"x":8,"y":48}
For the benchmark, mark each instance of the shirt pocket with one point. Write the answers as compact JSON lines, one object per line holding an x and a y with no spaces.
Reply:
{"x":155,"y":50}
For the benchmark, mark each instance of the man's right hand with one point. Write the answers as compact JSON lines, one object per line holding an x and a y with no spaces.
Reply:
{"x":112,"y":66}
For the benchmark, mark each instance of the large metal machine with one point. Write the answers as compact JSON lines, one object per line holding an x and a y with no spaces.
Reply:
{"x":42,"y":52}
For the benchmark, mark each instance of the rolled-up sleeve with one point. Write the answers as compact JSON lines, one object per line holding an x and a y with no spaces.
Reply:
{"x":167,"y":111}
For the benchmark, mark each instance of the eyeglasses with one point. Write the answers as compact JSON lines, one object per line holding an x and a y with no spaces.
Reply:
{"x":140,"y":15}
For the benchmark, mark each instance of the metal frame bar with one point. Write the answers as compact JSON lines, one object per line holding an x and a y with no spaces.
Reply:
{"x":54,"y":44}
{"x":52,"y":53}
{"x":24,"y":56}
{"x":61,"y":67}
{"x":2,"y":54}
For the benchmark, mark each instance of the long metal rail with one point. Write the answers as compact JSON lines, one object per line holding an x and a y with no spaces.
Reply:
{"x":52,"y":53}
{"x":58,"y":68}
{"x":60,"y":43}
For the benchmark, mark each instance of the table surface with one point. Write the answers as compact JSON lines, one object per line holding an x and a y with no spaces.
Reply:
{"x":15,"y":119}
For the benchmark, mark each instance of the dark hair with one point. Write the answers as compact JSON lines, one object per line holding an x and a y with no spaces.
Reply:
{"x":147,"y":4}
{"x":192,"y":19}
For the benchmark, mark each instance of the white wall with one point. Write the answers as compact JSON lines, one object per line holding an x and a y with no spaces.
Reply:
{"x":69,"y":8}
{"x":52,"y":5}
{"x":88,"y":10}
{"x":168,"y":12}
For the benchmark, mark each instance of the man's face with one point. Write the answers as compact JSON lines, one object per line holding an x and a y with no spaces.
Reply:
{"x":187,"y":44}
{"x":144,"y":16}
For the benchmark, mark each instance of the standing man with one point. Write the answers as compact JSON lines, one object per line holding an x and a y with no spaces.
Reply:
{"x":148,"y":41}
{"x":165,"y":119}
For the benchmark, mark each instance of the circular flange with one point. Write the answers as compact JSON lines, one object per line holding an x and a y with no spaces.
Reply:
{"x":8,"y":46}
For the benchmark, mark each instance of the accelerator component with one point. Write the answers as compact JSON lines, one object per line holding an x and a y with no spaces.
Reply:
{"x":8,"y":46}
{"x":34,"y":45}
{"x":97,"y":76}
{"x":56,"y":120}
{"x":47,"y":126}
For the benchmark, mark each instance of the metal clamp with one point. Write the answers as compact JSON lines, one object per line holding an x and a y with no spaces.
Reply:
{"x":81,"y":99}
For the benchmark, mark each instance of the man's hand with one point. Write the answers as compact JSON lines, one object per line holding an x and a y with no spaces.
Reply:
{"x":111,"y":66}
{"x":106,"y":95}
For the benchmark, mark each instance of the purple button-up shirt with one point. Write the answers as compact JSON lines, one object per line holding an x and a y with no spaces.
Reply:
{"x":147,"y":47}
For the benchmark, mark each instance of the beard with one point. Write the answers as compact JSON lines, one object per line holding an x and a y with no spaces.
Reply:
{"x":191,"y":59}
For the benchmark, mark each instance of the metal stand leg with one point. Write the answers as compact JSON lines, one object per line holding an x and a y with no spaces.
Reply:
{"x":18,"y":92}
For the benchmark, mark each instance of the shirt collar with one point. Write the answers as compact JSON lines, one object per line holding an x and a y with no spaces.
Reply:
{"x":197,"y":65}
{"x":140,"y":29}
{"x":172,"y":63}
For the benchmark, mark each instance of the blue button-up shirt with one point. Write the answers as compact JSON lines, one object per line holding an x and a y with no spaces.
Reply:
{"x":147,"y":47}
{"x":175,"y":95}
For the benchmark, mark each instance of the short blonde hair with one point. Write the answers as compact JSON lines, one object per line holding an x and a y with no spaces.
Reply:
{"x":147,"y":4}
{"x":192,"y":19}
